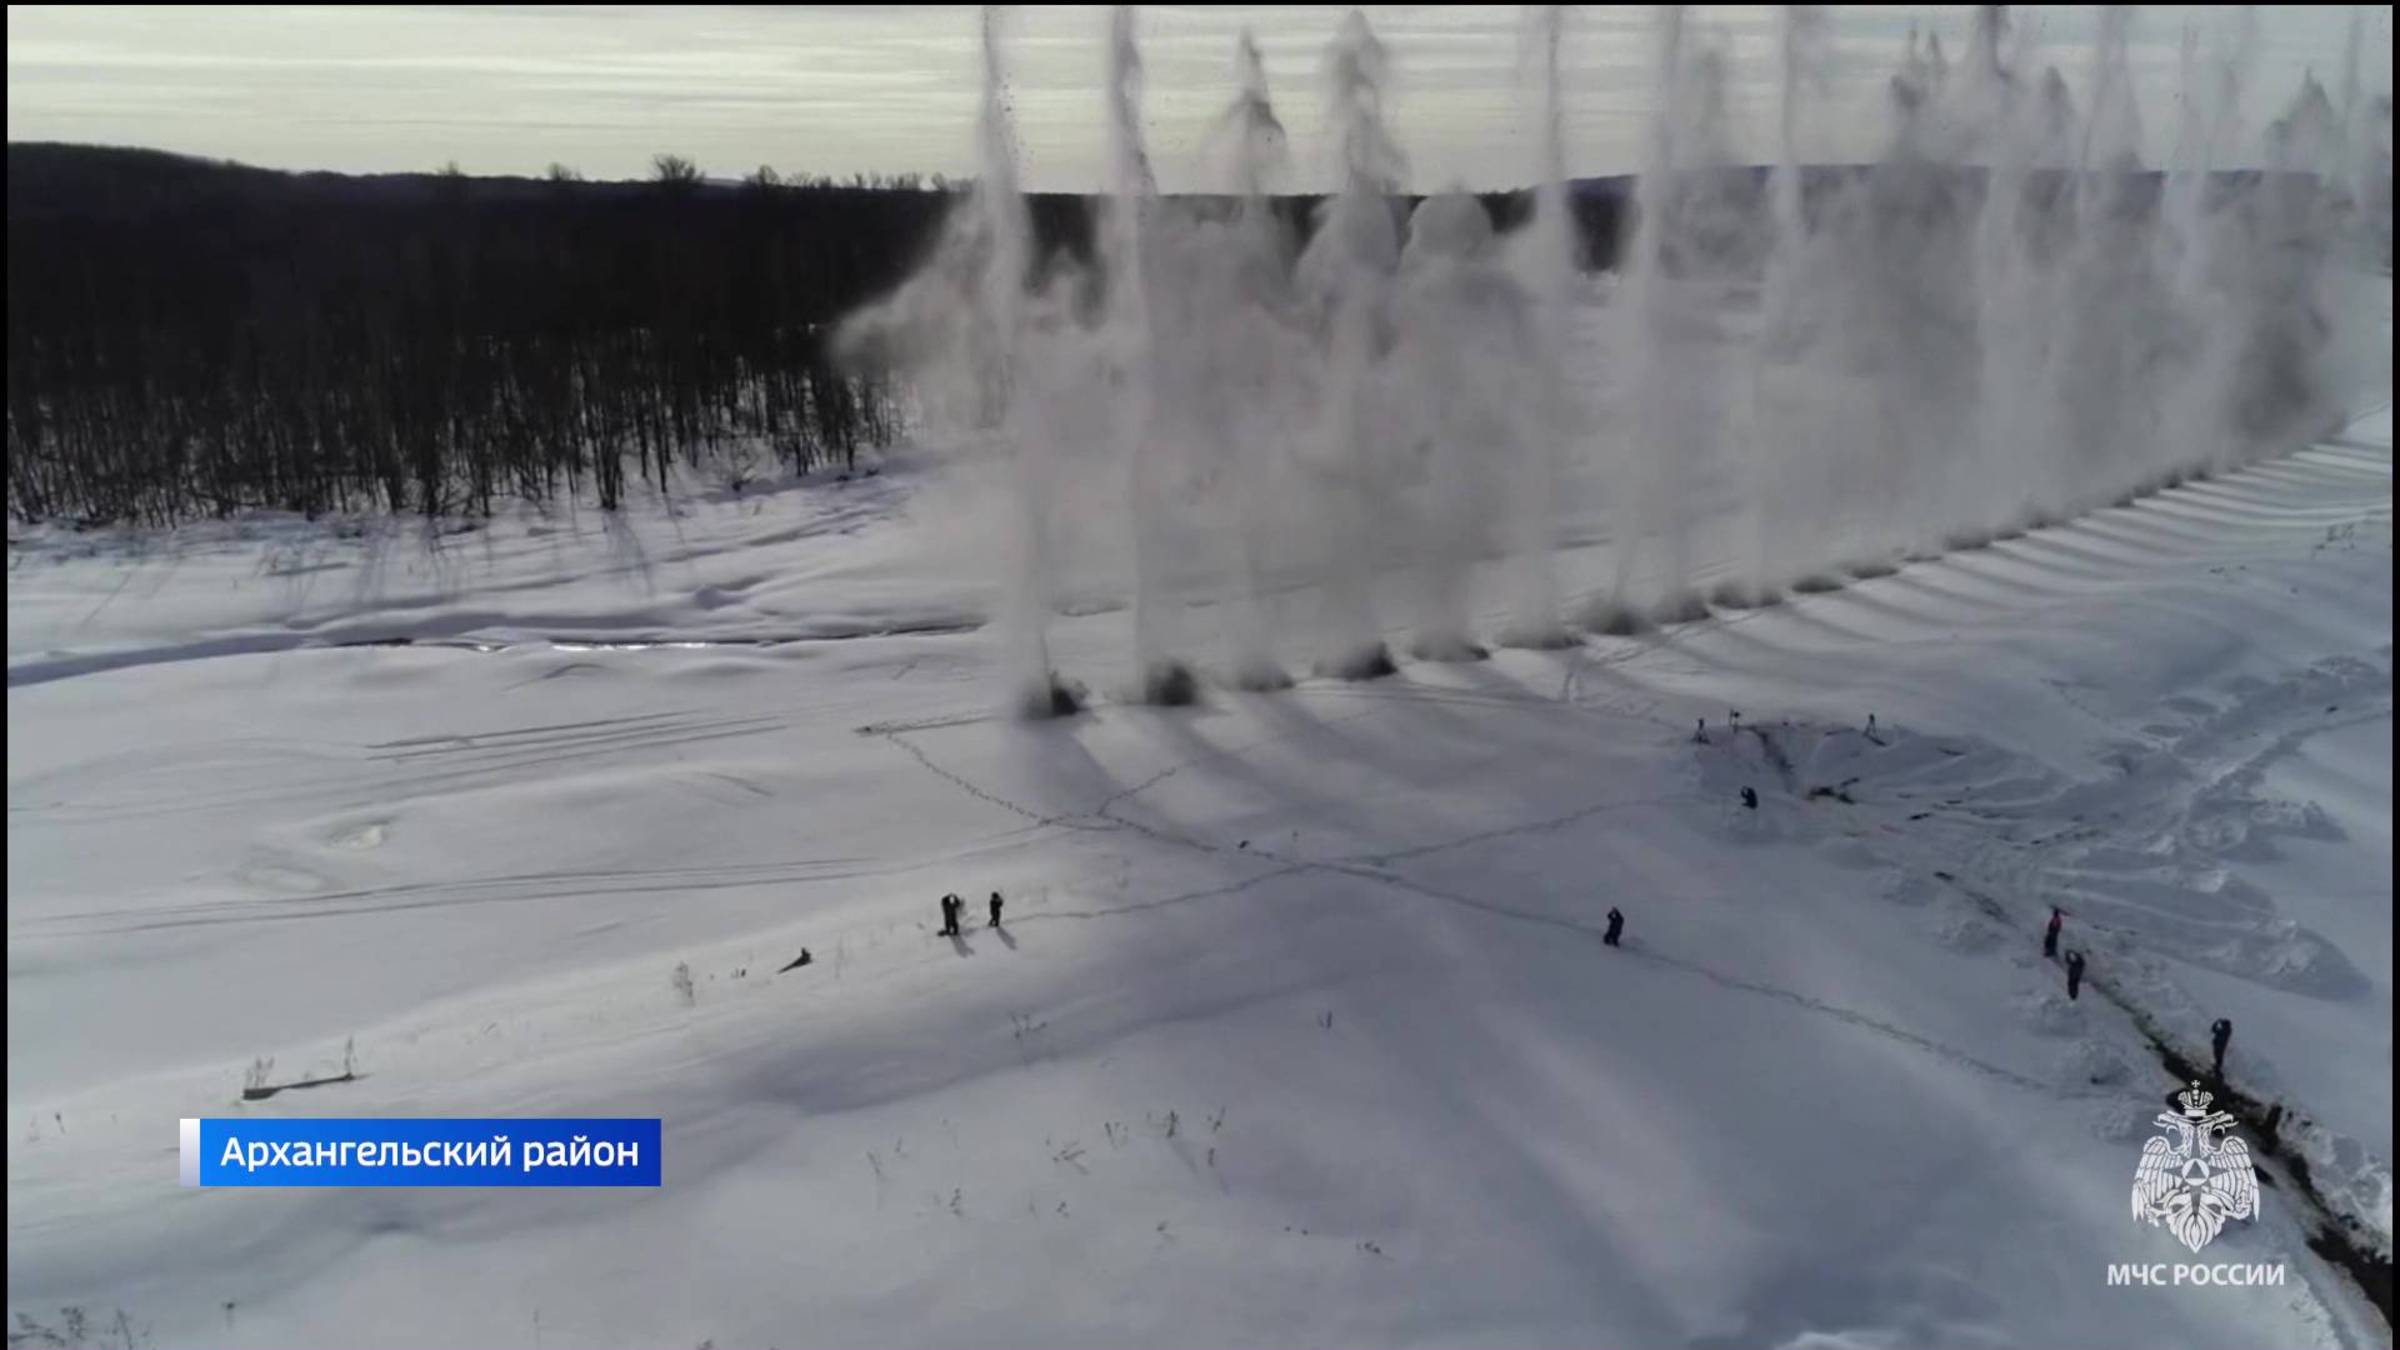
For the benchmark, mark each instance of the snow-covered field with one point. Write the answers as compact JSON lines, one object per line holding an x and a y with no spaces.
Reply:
{"x":1299,"y":1030}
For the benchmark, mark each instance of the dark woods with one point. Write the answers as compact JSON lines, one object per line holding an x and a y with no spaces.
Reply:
{"x":188,"y":338}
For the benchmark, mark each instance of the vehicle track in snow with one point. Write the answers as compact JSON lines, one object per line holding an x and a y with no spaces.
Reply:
{"x":394,"y":772}
{"x":1370,"y":868}
{"x":519,"y":888}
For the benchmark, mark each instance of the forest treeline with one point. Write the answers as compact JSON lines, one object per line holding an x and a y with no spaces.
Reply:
{"x":190,"y":338}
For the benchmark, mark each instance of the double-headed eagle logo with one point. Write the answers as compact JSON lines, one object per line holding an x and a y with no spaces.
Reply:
{"x":2198,"y":1179}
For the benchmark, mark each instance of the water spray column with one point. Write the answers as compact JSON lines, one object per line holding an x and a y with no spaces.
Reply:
{"x":1988,"y":483}
{"x":1034,"y":687}
{"x":1163,"y":677}
{"x":1788,"y":483}
{"x":2198,"y":424}
{"x":1460,"y":352}
{"x":1672,"y":397}
{"x":2289,"y":372}
{"x":1349,"y":267}
{"x":2104,"y":381}
{"x":1261,"y":270}
{"x":1554,"y":277}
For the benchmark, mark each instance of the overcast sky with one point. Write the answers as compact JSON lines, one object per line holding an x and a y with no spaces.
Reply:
{"x":837,"y":90}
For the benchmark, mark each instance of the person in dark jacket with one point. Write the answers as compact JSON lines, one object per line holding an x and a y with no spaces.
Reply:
{"x":1750,"y":798}
{"x":1616,"y":927}
{"x":950,"y":908}
{"x":2058,"y":919}
{"x":2220,"y":1035}
{"x":995,"y":909}
{"x":2074,"y":975}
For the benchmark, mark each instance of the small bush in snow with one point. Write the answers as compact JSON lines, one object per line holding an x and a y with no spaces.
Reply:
{"x":75,"y":1331}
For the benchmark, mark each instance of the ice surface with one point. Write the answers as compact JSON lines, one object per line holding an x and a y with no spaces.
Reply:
{"x":1342,"y":937}
{"x":1300,"y":1031}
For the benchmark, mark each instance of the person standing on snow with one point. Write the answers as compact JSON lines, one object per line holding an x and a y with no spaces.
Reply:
{"x":2074,"y":975}
{"x":950,"y":907}
{"x":2058,"y":918}
{"x":1616,"y":927}
{"x":2220,"y":1035}
{"x":995,"y":909}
